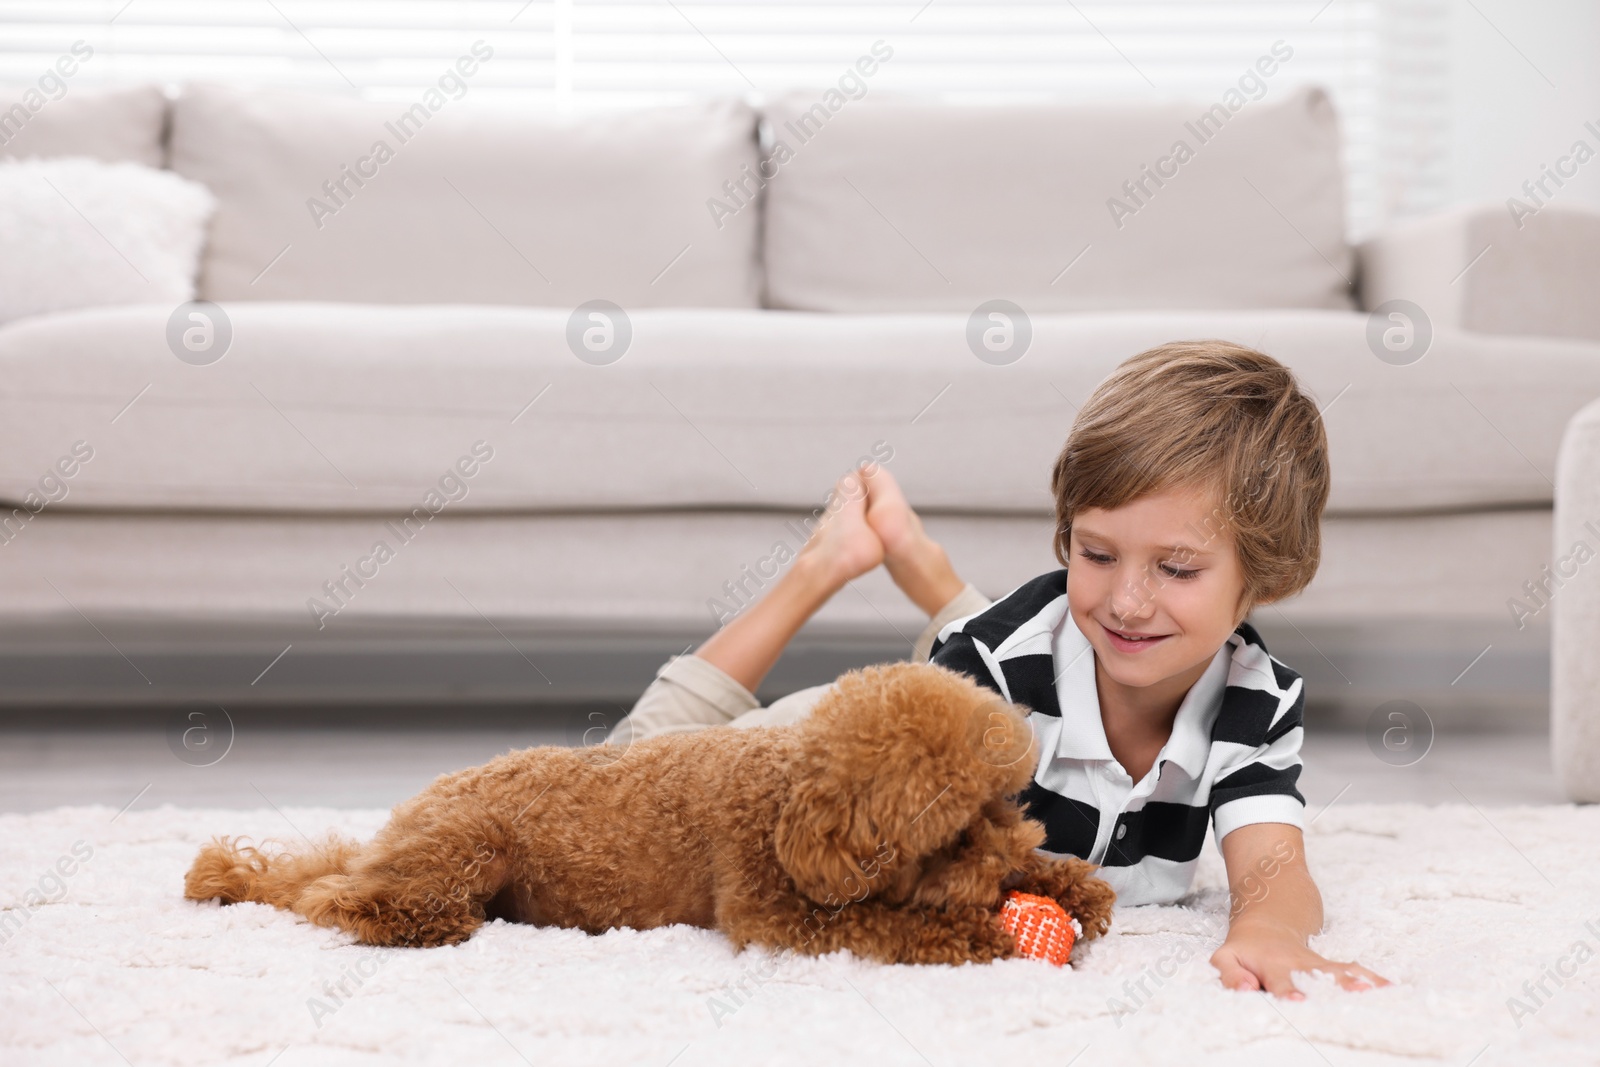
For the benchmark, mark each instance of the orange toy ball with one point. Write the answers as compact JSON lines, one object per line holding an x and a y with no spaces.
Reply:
{"x":1042,"y":928}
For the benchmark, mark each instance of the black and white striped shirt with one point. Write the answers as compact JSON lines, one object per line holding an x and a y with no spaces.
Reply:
{"x":1232,"y":759}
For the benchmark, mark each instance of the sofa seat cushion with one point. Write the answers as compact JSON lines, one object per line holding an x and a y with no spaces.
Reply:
{"x":364,"y":408}
{"x":327,"y":198}
{"x":905,"y":205}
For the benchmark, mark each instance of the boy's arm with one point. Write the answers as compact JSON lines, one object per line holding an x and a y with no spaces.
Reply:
{"x":1256,"y":813}
{"x":1276,"y":908}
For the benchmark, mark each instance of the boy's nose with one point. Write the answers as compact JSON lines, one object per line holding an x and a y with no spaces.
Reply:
{"x":1130,"y":599}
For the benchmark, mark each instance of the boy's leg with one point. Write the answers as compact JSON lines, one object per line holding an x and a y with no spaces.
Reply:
{"x":717,"y":683}
{"x":917,"y":563}
{"x":872,"y":524}
{"x":750,"y":644}
{"x":798,"y":705}
{"x":687,"y":694}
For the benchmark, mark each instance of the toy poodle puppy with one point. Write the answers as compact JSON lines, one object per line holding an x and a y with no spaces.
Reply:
{"x":884,"y":823}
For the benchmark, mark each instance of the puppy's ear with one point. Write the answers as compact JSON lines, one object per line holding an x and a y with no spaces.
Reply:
{"x":895,"y":761}
{"x":813,"y":841}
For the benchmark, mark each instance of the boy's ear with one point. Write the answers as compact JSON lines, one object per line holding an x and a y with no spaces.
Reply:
{"x":1246,"y":606}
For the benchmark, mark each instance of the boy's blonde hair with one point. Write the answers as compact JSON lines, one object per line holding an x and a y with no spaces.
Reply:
{"x":1210,"y":415}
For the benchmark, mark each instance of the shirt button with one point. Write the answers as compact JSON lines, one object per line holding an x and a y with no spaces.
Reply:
{"x":1122,"y":831}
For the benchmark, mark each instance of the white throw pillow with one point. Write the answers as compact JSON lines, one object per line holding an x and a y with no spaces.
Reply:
{"x":80,"y":233}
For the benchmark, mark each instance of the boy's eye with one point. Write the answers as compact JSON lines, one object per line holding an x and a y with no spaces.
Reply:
{"x":1171,"y":571}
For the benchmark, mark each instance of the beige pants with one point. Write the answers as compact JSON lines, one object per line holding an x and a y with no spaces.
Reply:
{"x":689,"y":693}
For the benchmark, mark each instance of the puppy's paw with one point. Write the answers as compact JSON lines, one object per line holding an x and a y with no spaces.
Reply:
{"x":1001,"y":945}
{"x":1090,"y":903}
{"x":1071,"y":882}
{"x":981,"y":937}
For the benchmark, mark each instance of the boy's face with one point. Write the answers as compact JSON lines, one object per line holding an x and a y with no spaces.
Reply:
{"x":1161,"y":568}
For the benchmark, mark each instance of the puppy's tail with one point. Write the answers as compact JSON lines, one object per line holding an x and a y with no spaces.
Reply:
{"x":231,"y":871}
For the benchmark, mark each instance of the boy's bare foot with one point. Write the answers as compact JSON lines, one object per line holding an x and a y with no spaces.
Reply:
{"x":917,"y":563}
{"x":844,"y":546}
{"x":841,"y":547}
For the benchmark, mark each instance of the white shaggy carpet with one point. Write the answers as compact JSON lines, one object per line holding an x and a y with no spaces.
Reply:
{"x":1460,"y":906}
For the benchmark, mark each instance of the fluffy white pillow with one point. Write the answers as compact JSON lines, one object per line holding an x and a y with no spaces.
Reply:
{"x":79,"y":233}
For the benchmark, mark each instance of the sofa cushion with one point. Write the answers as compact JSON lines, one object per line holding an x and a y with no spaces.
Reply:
{"x":329,"y":198}
{"x":1483,"y":267}
{"x":114,"y":125}
{"x":900,"y":205}
{"x":340,"y":407}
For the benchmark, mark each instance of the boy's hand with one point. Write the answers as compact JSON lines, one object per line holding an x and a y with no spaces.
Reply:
{"x":1260,"y":957}
{"x":1276,"y":909}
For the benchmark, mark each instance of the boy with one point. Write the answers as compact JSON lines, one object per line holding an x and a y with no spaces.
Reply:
{"x":1189,"y":491}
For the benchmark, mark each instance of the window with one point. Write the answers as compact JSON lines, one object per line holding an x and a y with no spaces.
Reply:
{"x":1384,"y":61}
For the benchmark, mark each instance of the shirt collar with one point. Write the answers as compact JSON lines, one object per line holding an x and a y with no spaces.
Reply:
{"x":1083,"y":735}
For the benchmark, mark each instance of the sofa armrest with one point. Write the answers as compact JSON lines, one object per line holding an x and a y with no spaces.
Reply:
{"x":1481,"y":268}
{"x":1575,"y":593}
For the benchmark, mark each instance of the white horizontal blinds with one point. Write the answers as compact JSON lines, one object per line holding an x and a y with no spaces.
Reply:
{"x":1410,"y":170}
{"x":379,"y":48}
{"x":642,"y":50}
{"x":1137,"y":48}
{"x":1384,"y":61}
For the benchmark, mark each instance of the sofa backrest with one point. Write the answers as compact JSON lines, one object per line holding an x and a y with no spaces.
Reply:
{"x":871,"y":205}
{"x":112,"y":125}
{"x":884,"y":204}
{"x":446,"y":200}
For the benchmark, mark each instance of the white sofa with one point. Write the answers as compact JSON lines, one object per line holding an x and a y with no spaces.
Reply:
{"x":782,"y":320}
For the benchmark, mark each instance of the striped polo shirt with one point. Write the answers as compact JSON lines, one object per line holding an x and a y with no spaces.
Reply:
{"x":1233,"y":757}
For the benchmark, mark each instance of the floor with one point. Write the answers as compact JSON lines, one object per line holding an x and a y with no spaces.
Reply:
{"x":350,"y":766}
{"x":1408,"y":892}
{"x":1472,"y":913}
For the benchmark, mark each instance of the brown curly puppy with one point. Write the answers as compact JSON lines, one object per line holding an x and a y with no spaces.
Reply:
{"x":882,"y":824}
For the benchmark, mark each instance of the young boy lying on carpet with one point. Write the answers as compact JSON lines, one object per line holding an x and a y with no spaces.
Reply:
{"x":1190,"y":490}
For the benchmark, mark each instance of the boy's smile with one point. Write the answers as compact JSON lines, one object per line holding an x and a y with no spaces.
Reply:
{"x":1155,"y":586}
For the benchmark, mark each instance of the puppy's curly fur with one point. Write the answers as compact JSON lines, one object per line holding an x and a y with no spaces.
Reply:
{"x":883,"y":824}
